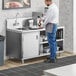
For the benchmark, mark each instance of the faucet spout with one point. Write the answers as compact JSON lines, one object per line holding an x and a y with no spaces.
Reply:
{"x":16,"y":22}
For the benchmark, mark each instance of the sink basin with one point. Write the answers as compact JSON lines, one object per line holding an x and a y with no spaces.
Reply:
{"x":30,"y":28}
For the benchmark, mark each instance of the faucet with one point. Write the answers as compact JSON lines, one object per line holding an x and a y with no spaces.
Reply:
{"x":16,"y":22}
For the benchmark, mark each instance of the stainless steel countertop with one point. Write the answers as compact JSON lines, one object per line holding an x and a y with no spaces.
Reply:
{"x":24,"y":31}
{"x":28,"y":30}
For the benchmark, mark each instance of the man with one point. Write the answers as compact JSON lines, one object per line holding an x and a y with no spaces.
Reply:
{"x":50,"y":23}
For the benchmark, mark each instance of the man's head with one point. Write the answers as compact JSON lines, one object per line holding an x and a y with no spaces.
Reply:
{"x":48,"y":2}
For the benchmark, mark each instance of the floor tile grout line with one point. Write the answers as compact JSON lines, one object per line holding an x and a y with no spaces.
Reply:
{"x":28,"y":70}
{"x":20,"y":70}
{"x":4,"y":74}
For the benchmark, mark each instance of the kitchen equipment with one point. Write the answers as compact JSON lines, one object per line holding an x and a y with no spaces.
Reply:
{"x":30,"y":23}
{"x":22,"y":23}
{"x":41,"y":49}
{"x":35,"y":16}
{"x":46,"y":50}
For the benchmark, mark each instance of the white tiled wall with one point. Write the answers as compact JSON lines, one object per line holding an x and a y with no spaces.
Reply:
{"x":74,"y":26}
{"x":36,"y":5}
{"x":66,"y":19}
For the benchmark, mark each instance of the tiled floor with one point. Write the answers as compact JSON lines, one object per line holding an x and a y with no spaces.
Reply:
{"x":38,"y":68}
{"x":16,"y":63}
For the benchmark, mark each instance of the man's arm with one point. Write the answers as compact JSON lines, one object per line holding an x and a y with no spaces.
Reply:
{"x":48,"y":16}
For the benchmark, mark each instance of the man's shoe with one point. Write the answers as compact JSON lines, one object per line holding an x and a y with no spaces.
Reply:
{"x":48,"y":57}
{"x":53,"y":60}
{"x":50,"y":61}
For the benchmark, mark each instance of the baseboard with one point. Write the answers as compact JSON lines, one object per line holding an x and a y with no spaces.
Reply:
{"x":70,"y":52}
